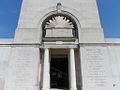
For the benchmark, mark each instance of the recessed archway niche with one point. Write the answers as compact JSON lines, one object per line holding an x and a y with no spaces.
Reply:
{"x":59,"y":26}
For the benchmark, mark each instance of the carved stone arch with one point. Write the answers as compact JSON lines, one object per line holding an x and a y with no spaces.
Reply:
{"x":65,"y":11}
{"x":60,"y":21}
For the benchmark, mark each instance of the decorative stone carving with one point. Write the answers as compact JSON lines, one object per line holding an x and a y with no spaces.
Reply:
{"x":58,"y":7}
{"x":59,"y":22}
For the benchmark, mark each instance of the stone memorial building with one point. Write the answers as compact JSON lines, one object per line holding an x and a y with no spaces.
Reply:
{"x":59,"y":45}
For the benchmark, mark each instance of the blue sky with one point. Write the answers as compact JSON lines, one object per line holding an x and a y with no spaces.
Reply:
{"x":109,"y":11}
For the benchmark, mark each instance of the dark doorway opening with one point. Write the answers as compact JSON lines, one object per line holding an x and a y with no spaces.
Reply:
{"x":59,"y":73}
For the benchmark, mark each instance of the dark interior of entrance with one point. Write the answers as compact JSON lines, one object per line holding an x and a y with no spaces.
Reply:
{"x":59,"y":73}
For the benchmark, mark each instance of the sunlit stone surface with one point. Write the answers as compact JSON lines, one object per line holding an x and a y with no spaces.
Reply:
{"x":59,"y":45}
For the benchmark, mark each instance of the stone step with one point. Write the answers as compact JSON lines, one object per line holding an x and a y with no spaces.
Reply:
{"x":58,"y":89}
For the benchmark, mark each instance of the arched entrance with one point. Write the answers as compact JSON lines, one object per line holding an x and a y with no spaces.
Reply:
{"x":60,"y":33}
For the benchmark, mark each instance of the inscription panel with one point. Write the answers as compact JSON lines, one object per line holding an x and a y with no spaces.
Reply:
{"x":23,"y":69}
{"x":95,"y":68}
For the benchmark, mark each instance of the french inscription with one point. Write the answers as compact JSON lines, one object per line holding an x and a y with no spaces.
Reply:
{"x":24,"y":64}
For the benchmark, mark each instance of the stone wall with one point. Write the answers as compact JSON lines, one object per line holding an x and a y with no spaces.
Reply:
{"x":5,"y":53}
{"x":114,"y":60}
{"x":95,"y":66}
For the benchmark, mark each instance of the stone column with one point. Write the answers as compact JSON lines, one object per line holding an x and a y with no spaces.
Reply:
{"x":46,"y":70}
{"x":72,"y":73}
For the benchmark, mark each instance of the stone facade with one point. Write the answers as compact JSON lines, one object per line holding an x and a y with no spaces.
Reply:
{"x":49,"y":30}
